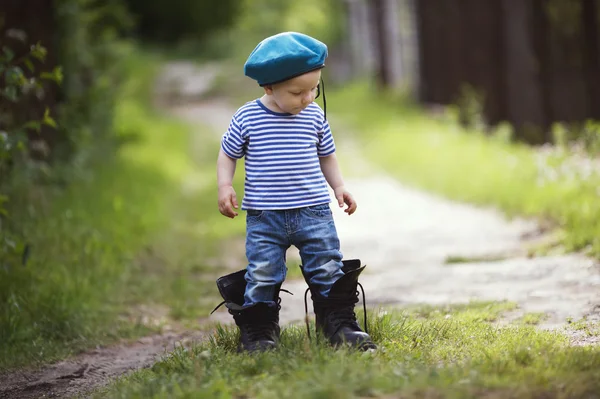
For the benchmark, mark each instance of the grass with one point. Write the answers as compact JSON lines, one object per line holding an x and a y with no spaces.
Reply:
{"x":532,"y":318}
{"x":434,"y":153}
{"x":590,"y":328}
{"x":129,"y":234}
{"x":450,"y":352}
{"x":457,"y":259}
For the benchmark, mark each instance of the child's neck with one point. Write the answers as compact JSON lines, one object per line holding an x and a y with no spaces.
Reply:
{"x":268,"y":102}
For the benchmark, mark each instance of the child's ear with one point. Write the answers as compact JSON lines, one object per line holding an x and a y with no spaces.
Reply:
{"x":268,"y":89}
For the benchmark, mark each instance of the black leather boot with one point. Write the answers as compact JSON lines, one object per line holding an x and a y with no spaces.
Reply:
{"x":335,"y":317}
{"x":259,"y":323}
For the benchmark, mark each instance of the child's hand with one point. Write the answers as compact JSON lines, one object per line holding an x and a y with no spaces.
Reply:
{"x":343,"y":196}
{"x":227,"y":201}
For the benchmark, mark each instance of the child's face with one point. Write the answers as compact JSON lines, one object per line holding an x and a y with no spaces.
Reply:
{"x":294,"y":95}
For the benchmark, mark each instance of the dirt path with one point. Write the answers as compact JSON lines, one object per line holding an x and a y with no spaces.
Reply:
{"x":81,"y":374}
{"x":404,"y":236}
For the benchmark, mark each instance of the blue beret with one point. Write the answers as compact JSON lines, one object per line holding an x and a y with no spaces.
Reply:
{"x":284,"y":56}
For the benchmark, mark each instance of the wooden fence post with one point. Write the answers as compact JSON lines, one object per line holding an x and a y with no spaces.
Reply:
{"x":524,"y":94}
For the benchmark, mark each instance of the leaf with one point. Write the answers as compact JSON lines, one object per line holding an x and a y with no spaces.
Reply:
{"x":10,"y":243}
{"x":48,"y":120}
{"x":38,"y":51}
{"x":29,"y":64}
{"x":33,"y":125}
{"x":56,"y":75}
{"x":8,"y":53}
{"x":10,"y":93}
{"x":14,"y":76}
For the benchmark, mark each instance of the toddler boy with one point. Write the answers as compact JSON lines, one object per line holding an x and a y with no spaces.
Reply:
{"x":289,"y":160}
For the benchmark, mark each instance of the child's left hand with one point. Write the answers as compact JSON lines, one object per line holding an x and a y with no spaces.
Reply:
{"x":343,"y":196}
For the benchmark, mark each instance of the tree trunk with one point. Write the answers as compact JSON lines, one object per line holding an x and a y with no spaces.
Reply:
{"x":383,"y":38}
{"x":409,"y":47}
{"x":544,"y":62}
{"x":394,"y":43}
{"x":524,"y":95}
{"x":589,"y":16}
{"x":360,"y":38}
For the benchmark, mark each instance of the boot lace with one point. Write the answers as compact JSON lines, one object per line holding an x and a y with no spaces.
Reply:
{"x":344,"y":315}
{"x":278,"y":301}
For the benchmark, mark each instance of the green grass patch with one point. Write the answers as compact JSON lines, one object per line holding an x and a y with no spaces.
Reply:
{"x":454,"y":259}
{"x":137,"y":228}
{"x":450,"y":352}
{"x":435,"y":153}
{"x":590,"y":328}
{"x":474,"y":311}
{"x":532,"y":319}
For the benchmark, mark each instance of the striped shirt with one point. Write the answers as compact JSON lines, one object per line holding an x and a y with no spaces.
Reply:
{"x":282,"y":155}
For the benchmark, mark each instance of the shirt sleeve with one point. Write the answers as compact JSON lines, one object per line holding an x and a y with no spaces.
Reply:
{"x":233,"y":143}
{"x":326,"y":145}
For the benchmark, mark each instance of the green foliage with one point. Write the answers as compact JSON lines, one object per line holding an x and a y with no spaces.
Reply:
{"x":583,"y":136}
{"x":564,"y":16}
{"x":87,"y":71}
{"x":121,"y":235}
{"x":24,"y":84}
{"x":447,"y":352}
{"x":262,"y":18}
{"x":65,"y":297}
{"x":91,"y":56}
{"x":469,"y":107}
{"x":172,"y":20}
{"x":257,"y":19}
{"x":234,"y":28}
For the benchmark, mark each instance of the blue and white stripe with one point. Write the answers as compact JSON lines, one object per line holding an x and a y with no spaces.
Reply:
{"x":282,"y":155}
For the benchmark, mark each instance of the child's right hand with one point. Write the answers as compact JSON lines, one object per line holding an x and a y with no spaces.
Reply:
{"x":227,"y":201}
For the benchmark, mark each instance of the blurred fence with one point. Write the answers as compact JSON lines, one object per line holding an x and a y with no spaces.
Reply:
{"x":528,"y":62}
{"x":534,"y":61}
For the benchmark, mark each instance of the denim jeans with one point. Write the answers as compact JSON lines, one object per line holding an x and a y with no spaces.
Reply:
{"x":270,"y":233}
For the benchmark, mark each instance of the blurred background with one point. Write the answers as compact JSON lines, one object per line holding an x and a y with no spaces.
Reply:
{"x":528,"y":63}
{"x":493,"y":102}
